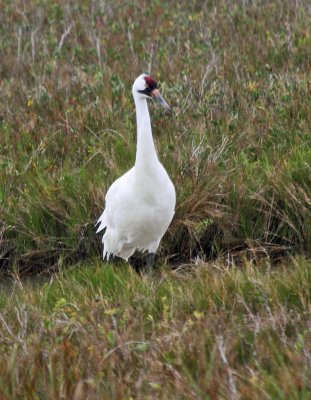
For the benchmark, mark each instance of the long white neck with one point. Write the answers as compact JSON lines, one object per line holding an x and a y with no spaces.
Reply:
{"x":146,"y":153}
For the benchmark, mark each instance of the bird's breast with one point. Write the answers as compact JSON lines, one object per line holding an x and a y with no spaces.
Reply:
{"x":157,"y":192}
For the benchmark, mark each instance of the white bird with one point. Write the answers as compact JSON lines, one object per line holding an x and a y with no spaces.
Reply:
{"x":140,"y":204}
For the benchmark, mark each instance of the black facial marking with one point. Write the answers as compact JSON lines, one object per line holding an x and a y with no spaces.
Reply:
{"x":147,"y":91}
{"x":151,"y":84}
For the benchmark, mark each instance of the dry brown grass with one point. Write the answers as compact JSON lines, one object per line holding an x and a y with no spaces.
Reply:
{"x":208,"y":333}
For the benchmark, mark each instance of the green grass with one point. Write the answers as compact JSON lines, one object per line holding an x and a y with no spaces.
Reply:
{"x":237,"y":149}
{"x":231,"y":319}
{"x":207,"y":333}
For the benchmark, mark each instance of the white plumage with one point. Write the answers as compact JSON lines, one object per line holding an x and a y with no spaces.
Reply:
{"x":140,"y":204}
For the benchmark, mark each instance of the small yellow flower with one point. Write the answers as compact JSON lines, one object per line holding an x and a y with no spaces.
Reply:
{"x":155,"y":385}
{"x":112,"y":311}
{"x":198,"y":315}
{"x":189,"y":322}
{"x":254,"y":380}
{"x":60,"y":303}
{"x":252,"y":86}
{"x":29,"y":103}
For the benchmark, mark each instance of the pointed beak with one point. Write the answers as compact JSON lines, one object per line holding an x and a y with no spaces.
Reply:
{"x":159,"y":99}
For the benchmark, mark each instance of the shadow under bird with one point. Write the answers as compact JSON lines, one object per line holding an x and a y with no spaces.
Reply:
{"x":140,"y":205}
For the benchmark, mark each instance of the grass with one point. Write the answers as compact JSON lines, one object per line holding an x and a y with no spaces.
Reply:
{"x":207,"y":333}
{"x":228,"y":314}
{"x":237,"y":149}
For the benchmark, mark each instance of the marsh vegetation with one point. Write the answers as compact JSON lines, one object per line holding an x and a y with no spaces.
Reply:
{"x":231,"y":319}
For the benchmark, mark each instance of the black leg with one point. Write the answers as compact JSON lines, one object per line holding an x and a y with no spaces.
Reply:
{"x":150,"y":262}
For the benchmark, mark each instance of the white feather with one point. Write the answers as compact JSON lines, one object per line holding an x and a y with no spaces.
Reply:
{"x":140,"y":204}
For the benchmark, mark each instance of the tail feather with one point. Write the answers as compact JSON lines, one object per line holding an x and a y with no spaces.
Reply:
{"x":116,"y":245}
{"x":102,"y":221}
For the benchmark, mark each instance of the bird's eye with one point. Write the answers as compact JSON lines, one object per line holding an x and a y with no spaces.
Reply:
{"x":147,"y":91}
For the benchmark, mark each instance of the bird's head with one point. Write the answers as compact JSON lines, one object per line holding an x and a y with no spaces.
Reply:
{"x":146,"y":87}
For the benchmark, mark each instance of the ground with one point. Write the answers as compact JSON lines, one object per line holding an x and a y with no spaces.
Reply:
{"x":227,"y":315}
{"x":210,"y":332}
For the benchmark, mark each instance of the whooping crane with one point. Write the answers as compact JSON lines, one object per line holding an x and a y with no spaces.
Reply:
{"x":140,"y":204}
